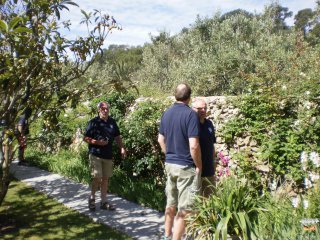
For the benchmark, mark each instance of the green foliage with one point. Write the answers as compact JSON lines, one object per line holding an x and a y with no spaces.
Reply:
{"x":280,"y":221}
{"x":283,"y":221}
{"x":67,"y":163}
{"x":306,"y":20}
{"x":36,"y":71}
{"x":232,"y":54}
{"x":114,"y":70}
{"x":237,"y":210}
{"x":58,"y":132}
{"x":158,"y":64}
{"x":247,"y":169}
{"x":140,"y":131}
{"x":147,"y":191}
{"x":282,"y":128}
{"x":52,"y":133}
{"x":119,"y":104}
{"x":232,"y":210}
{"x":313,"y":197}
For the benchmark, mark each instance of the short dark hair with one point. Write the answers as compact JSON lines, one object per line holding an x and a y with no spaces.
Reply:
{"x":102,"y":104}
{"x":182,"y":92}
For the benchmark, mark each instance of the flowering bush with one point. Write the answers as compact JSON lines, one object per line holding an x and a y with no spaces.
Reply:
{"x":224,"y":169}
{"x":310,"y":163}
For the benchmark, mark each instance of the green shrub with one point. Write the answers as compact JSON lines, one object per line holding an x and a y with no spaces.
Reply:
{"x":119,"y":104}
{"x":50,"y":132}
{"x":146,"y":191}
{"x":282,"y":127}
{"x":283,"y":221}
{"x":140,"y":133}
{"x":313,"y":196}
{"x":237,"y":210}
{"x":280,"y":220}
{"x":232,"y":210}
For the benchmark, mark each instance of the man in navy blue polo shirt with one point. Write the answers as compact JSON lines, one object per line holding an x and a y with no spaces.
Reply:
{"x":100,"y":134}
{"x":207,"y":141}
{"x":179,"y":140}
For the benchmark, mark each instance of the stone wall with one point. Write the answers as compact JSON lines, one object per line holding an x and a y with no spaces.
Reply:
{"x":220,"y":111}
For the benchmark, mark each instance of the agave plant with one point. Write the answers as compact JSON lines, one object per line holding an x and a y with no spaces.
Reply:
{"x":232,"y":211}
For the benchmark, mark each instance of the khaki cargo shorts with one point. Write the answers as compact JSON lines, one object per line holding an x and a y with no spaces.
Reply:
{"x":183,"y":184}
{"x":100,"y":167}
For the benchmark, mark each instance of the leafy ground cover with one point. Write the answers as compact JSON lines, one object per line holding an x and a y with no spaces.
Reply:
{"x":28,"y":214}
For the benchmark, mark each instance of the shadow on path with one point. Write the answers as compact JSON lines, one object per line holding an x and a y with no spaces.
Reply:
{"x":137,"y":221}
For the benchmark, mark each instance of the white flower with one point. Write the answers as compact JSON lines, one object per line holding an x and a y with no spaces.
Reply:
{"x":305,"y":204}
{"x":302,"y":74}
{"x":304,"y":160}
{"x":297,"y":123}
{"x":314,"y":177}
{"x":307,"y":92}
{"x":65,"y":115}
{"x":307,"y":183}
{"x":295,"y":202}
{"x":304,"y":157}
{"x":307,"y":105}
{"x":314,"y":157}
{"x":284,"y":87}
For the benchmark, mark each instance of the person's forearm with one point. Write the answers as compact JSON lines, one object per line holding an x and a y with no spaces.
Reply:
{"x":196,"y":156}
{"x":195,"y":152}
{"x":162,"y":143}
{"x":93,"y":141}
{"x":119,"y":142}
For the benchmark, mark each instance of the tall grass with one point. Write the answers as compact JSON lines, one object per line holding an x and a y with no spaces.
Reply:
{"x":65,"y":162}
{"x":147,"y":192}
{"x":236,"y":210}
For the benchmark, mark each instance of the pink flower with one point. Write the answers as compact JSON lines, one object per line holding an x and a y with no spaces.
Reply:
{"x":225,"y":161}
{"x":220,"y":155}
{"x":223,"y":169}
{"x":227,"y":171}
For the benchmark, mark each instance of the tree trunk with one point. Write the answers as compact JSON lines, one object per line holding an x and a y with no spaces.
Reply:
{"x":5,"y":175}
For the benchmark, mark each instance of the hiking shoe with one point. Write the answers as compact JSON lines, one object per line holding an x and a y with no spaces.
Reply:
{"x":92,"y":204}
{"x":107,"y":206}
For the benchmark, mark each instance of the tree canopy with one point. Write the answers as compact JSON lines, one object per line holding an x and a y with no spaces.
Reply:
{"x":38,"y":63}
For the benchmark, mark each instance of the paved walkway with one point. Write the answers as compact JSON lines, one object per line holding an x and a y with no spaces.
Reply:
{"x":138,"y":222}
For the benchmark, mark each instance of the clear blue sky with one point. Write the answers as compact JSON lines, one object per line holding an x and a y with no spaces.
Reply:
{"x":140,"y":18}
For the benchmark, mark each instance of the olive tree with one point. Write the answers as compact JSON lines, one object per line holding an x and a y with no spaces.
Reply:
{"x":38,"y":64}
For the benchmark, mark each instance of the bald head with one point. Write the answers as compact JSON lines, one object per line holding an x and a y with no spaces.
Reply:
{"x":199,"y":102}
{"x":183,"y":92}
{"x":200,"y":106}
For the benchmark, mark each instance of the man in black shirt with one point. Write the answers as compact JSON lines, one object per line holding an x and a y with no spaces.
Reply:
{"x":100,"y":134}
{"x":207,"y":140}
